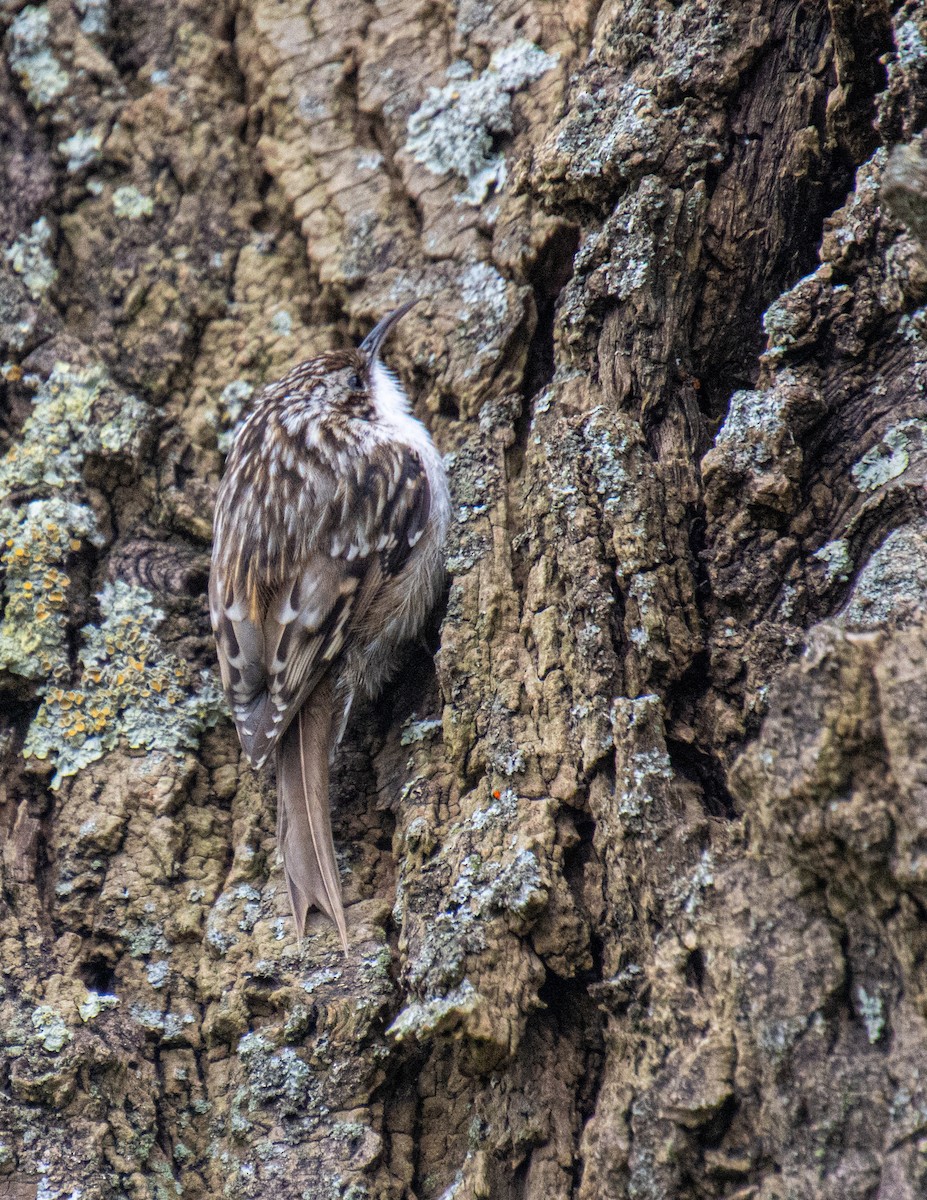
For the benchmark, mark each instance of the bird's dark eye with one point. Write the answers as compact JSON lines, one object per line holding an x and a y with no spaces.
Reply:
{"x":355,"y":383}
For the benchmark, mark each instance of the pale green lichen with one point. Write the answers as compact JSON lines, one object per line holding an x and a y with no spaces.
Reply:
{"x":418,"y":731}
{"x":910,"y":44}
{"x":129,"y":202}
{"x":892,"y":586}
{"x":94,"y":16}
{"x":143,"y":937}
{"x":872,"y":1013}
{"x":51,"y":1029}
{"x":424,"y":1019}
{"x":19,"y":318}
{"x":28,"y":258}
{"x":514,"y":886}
{"x":782,"y":324}
{"x":607,"y":450}
{"x":277,"y":1078}
{"x":481,"y":889}
{"x":499,"y":812}
{"x":239,"y":907}
{"x":369,"y":160}
{"x":887,"y":459}
{"x":96,"y":1003}
{"x":282,"y":323}
{"x":57,"y":1187}
{"x":319,"y":978}
{"x":702,"y":877}
{"x":455,"y":129}
{"x":481,"y":286}
{"x":753,"y":427}
{"x":35,"y":541}
{"x":836,"y":559}
{"x":130,"y":689}
{"x":647,"y":769}
{"x":232,"y":402}
{"x":81,"y":149}
{"x":77,"y":411}
{"x":31,"y":59}
{"x":354,"y":1191}
{"x":486,"y":304}
{"x":171,"y":1026}
{"x":157,"y":974}
{"x":618,"y":260}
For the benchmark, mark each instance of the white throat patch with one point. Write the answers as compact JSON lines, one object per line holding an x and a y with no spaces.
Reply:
{"x":390,"y":399}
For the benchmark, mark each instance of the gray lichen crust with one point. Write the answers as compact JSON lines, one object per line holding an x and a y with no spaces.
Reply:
{"x":128,"y":687}
{"x":76,"y":412}
{"x":31,"y":57}
{"x":28,"y":256}
{"x":457,"y":127}
{"x":37,"y":541}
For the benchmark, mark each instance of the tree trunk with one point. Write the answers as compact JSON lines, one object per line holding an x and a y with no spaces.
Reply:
{"x":636,"y":862}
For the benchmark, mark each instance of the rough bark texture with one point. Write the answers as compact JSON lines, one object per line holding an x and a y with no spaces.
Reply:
{"x":637,"y":873}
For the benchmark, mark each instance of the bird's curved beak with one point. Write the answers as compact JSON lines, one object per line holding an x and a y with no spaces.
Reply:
{"x":371,"y":344}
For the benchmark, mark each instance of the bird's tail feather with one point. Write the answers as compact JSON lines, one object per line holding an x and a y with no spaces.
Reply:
{"x":304,"y":831}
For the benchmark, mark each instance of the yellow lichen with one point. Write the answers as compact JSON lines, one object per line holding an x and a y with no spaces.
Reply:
{"x":129,"y":684}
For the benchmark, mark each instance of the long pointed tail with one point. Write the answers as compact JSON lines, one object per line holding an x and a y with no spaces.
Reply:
{"x":304,"y":830}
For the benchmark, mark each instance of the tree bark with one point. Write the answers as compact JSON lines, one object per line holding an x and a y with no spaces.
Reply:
{"x":635,"y":849}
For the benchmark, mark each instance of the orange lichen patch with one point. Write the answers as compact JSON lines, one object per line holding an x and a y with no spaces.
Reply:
{"x":34,"y":541}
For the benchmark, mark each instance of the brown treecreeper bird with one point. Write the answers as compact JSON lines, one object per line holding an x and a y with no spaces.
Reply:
{"x":328,"y":555}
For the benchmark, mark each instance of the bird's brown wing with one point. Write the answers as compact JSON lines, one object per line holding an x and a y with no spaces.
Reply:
{"x":363,"y":533}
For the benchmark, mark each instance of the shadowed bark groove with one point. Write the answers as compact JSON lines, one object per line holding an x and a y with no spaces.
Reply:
{"x":633,"y":849}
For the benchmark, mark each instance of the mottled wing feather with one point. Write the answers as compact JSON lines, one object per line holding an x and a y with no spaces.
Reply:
{"x":245,"y":690}
{"x":364,"y":536}
{"x":411,"y":509}
{"x":240,"y":646}
{"x":305,"y":649}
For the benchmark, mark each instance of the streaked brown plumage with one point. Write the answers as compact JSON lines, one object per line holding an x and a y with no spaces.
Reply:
{"x":327,"y":556}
